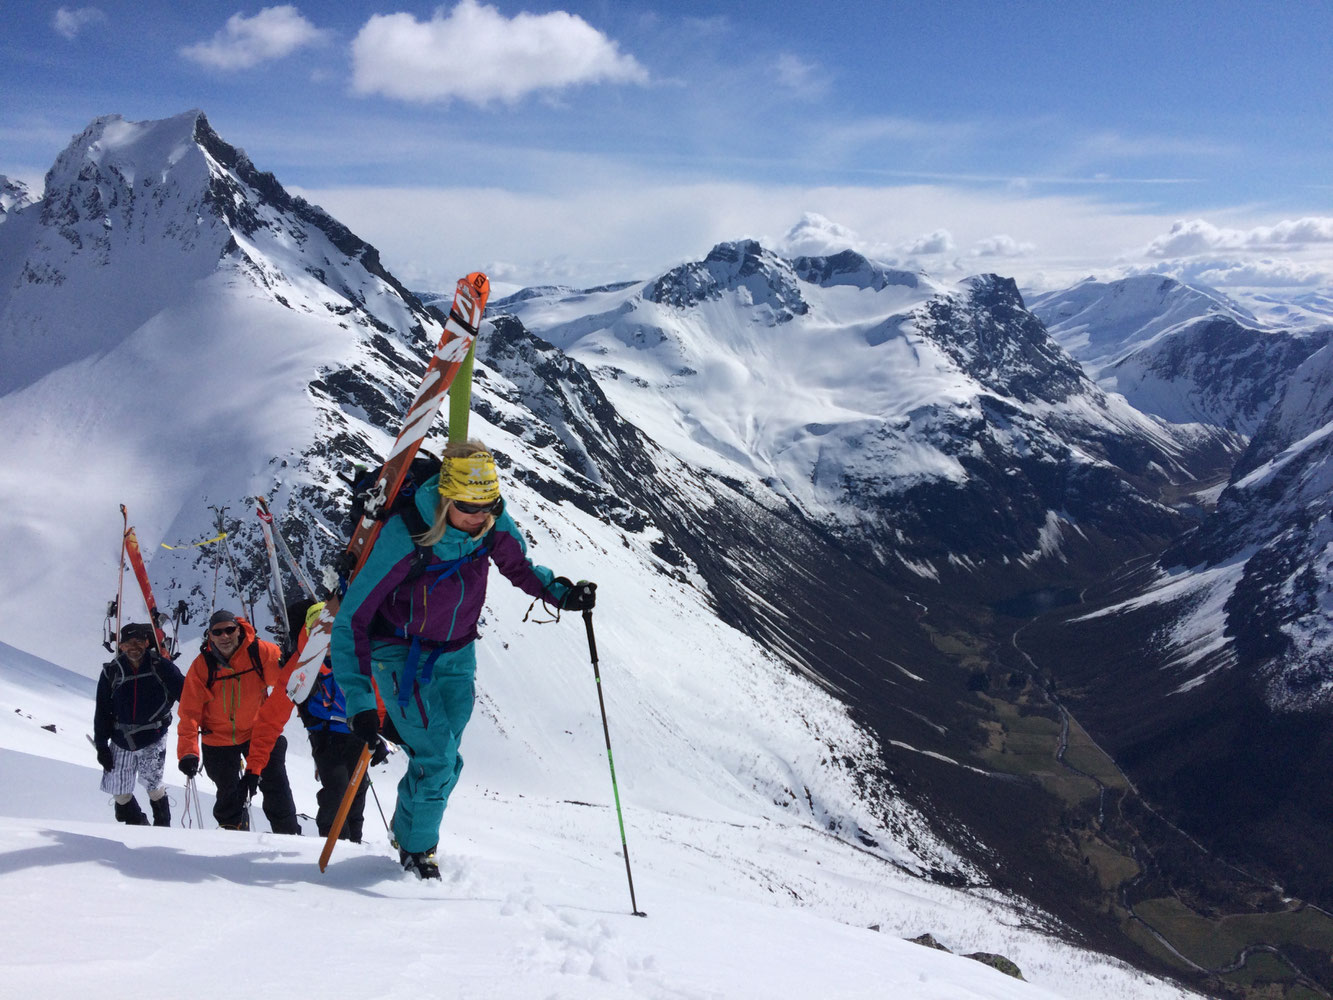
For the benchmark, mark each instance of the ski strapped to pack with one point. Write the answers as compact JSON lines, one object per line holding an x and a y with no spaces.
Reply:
{"x":135,"y":557}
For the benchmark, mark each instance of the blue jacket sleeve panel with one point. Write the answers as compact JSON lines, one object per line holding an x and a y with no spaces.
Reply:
{"x":387,"y":566}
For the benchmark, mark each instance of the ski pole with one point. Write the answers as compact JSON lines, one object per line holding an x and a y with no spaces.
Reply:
{"x":380,"y":808}
{"x":192,"y":799}
{"x":606,"y":730}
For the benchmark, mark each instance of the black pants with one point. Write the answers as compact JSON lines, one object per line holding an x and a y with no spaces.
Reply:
{"x":224,"y":766}
{"x":335,"y":756}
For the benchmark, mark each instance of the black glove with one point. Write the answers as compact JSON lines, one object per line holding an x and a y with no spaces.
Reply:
{"x":580,"y":597}
{"x":105,"y":759}
{"x":189,"y":765}
{"x":367,"y":726}
{"x":249,"y":785}
{"x":379,"y":752}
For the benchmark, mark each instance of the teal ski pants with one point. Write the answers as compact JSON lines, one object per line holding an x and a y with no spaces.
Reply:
{"x":433,"y":763}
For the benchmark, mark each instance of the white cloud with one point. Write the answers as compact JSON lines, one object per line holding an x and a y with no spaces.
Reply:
{"x":940,"y":241}
{"x":1001,"y":245}
{"x":586,"y":220}
{"x":1195,"y":236}
{"x":474,"y":53}
{"x":1227,"y":272}
{"x":69,"y":22}
{"x":816,"y":236}
{"x":247,"y":41}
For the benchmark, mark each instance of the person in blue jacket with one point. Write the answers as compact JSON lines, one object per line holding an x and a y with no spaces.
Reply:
{"x":135,"y":693}
{"x":409,"y":622}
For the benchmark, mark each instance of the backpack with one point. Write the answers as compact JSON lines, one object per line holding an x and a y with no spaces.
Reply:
{"x":326,"y":706}
{"x":424,"y":466}
{"x":120,"y":678}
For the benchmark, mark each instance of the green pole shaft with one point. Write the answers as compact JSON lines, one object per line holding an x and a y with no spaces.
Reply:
{"x":606,"y":731}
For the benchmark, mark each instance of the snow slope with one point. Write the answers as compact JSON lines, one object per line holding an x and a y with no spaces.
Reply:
{"x":534,"y":901}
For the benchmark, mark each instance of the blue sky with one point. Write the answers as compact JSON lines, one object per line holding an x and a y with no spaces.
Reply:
{"x":586,"y":142}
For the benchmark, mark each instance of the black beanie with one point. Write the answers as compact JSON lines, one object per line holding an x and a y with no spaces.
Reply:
{"x":219,"y":617}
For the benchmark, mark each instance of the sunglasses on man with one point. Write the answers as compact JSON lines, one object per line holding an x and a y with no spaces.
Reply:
{"x":224,"y":630}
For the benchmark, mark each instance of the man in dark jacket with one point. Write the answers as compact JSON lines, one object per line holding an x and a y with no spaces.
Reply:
{"x":135,"y":695}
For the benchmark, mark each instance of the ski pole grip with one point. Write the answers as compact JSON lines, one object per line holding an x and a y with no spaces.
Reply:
{"x":592,"y":641}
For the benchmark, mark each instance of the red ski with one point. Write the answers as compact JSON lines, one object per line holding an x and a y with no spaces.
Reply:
{"x":131,"y":542}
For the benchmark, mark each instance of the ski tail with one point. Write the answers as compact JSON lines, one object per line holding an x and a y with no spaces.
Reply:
{"x":302,"y":578}
{"x":275,"y":571}
{"x":141,"y":574}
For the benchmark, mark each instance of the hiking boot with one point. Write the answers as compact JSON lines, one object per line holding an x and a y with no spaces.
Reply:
{"x":422,"y":864}
{"x":161,"y":811}
{"x":131,"y":813}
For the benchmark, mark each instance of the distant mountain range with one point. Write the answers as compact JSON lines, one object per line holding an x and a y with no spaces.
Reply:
{"x":950,"y":514}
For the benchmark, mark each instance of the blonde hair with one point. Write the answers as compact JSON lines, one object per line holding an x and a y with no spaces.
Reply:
{"x":440,"y":524}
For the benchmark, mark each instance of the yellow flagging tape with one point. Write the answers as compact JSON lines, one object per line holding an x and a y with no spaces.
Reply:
{"x":195,"y":545}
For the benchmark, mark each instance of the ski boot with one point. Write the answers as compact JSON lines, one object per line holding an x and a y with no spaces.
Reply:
{"x":422,"y":864}
{"x":131,"y":813}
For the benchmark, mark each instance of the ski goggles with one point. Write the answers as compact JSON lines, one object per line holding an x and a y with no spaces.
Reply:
{"x":463,"y":507}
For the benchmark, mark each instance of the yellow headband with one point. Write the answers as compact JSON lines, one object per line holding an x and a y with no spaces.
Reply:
{"x":472,"y":479}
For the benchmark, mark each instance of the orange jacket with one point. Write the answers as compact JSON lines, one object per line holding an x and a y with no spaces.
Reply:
{"x":275,"y":712}
{"x":224,"y":711}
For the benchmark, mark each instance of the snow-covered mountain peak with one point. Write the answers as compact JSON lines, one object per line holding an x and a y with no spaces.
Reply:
{"x":172,"y":200}
{"x":1101,"y":322}
{"x":123,"y":148}
{"x":13,"y":196}
{"x":757,"y":277}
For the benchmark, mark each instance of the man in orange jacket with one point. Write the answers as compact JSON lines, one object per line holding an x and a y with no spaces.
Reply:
{"x":225,"y":687}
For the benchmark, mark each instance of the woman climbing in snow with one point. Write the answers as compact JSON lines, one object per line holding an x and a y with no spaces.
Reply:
{"x":409,"y":623}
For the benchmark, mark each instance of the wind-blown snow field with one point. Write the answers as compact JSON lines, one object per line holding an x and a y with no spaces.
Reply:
{"x":534,"y":901}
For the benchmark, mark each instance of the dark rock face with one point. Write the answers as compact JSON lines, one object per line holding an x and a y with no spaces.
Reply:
{"x":850,"y":268}
{"x":992,"y":337}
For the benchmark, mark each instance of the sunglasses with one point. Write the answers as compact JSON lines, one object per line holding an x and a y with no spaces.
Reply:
{"x":225,"y":630}
{"x":463,"y":507}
